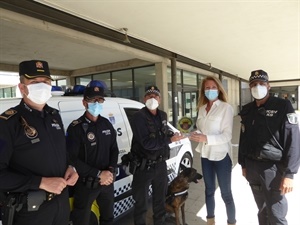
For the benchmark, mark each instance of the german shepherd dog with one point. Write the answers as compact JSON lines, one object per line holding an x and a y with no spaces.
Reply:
{"x":178,"y":192}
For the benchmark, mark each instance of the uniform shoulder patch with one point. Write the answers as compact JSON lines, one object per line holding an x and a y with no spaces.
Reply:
{"x":8,"y":114}
{"x":75,"y":122}
{"x":292,"y":118}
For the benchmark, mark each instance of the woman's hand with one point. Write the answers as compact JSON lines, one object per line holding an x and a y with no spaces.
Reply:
{"x":198,"y":137}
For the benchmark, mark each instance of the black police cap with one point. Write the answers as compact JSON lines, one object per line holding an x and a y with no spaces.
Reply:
{"x":152,"y":90}
{"x":34,"y":68}
{"x":94,"y":89}
{"x":258,"y":75}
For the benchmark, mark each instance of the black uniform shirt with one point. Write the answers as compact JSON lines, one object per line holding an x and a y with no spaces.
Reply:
{"x":150,"y":134}
{"x":32,"y":146}
{"x":254,"y":132}
{"x":92,"y":145}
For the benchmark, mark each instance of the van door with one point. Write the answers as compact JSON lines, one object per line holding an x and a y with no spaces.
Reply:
{"x":116,"y":115}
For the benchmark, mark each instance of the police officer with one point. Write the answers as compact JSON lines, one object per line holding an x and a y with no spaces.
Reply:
{"x":150,"y":149}
{"x":269,"y":149}
{"x":92,"y":144}
{"x":33,"y":159}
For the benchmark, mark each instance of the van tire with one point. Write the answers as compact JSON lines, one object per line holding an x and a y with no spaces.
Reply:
{"x":185,"y":162}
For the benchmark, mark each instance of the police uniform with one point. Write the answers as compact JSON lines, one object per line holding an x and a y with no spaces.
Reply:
{"x":150,"y":148}
{"x":32,"y":146}
{"x":93,"y":148}
{"x":269,"y":150}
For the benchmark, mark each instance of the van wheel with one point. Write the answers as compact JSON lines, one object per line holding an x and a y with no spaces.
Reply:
{"x":185,"y":162}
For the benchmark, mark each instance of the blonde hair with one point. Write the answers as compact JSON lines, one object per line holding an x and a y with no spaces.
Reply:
{"x":202,"y":100}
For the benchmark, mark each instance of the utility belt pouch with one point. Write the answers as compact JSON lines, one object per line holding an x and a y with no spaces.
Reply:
{"x":91,"y":182}
{"x":270,"y":152}
{"x":133,"y":165}
{"x":35,"y":199}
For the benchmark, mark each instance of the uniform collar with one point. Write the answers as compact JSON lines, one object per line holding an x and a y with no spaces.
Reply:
{"x":42,"y":113}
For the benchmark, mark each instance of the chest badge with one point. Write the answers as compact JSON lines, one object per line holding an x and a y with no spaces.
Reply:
{"x":91,"y":136}
{"x":30,"y":131}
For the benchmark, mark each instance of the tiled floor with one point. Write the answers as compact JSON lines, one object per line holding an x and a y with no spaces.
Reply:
{"x":245,"y":206}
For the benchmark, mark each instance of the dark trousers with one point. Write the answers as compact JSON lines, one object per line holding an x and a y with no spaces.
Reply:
{"x":157,"y":176}
{"x":264,"y":179}
{"x":53,"y":212}
{"x":83,"y":199}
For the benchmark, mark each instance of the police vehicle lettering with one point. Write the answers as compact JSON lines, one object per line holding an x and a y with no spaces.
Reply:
{"x":119,"y":131}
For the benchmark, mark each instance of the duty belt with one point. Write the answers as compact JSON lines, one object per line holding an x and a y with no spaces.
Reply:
{"x":257,"y":158}
{"x":150,"y":162}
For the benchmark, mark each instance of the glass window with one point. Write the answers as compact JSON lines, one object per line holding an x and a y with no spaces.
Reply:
{"x":190,"y":90}
{"x":245,"y":93}
{"x":179,"y":94}
{"x":122,"y":84}
{"x":7,"y":93}
{"x":143,"y":77}
{"x":83,"y":80}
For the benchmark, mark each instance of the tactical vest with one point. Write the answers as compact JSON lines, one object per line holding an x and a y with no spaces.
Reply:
{"x":141,"y":153}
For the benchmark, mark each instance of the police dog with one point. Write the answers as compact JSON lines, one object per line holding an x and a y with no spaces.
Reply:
{"x":178,"y":192}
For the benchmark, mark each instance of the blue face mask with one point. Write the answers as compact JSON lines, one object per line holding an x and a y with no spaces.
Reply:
{"x":211,"y":94}
{"x":94,"y":108}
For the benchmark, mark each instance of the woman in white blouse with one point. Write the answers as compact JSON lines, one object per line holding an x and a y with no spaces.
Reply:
{"x":214,"y":133}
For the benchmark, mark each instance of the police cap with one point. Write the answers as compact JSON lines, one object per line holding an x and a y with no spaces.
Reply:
{"x":94,"y":89}
{"x":258,"y":75}
{"x":152,"y":90}
{"x":34,"y":68}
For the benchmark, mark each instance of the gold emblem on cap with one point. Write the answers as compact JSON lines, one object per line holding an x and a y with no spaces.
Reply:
{"x":96,"y":89}
{"x":39,"y":65}
{"x":256,"y":73}
{"x":152,"y":88}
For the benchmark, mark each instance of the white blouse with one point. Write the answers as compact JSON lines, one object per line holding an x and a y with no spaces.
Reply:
{"x":217,"y":126}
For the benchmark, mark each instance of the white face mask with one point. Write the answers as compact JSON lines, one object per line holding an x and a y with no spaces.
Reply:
{"x":151,"y":103}
{"x":39,"y":93}
{"x":259,"y":91}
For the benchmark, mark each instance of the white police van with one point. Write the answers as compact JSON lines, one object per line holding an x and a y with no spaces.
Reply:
{"x":119,"y":111}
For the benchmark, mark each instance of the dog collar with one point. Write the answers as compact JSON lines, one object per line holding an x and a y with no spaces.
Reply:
{"x":180,"y":193}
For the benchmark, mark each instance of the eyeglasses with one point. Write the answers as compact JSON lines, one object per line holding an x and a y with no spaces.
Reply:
{"x":93,"y":100}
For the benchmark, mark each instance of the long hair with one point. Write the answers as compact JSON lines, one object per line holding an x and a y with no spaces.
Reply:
{"x":202,"y":100}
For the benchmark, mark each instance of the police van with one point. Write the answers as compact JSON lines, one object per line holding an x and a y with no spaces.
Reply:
{"x":119,"y":111}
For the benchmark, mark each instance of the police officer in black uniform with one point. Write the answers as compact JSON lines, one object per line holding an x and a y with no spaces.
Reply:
{"x":92,"y":144}
{"x":150,"y":150}
{"x":34,"y":172}
{"x":269,"y":149}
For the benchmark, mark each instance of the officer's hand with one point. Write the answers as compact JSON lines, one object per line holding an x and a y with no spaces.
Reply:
{"x":53,"y":184}
{"x":177,"y":137}
{"x":106,"y":177}
{"x":71,"y":176}
{"x":286,"y":185}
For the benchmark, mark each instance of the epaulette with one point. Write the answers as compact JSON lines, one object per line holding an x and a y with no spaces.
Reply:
{"x":8,"y":114}
{"x":76,"y":122}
